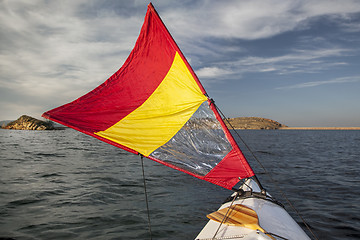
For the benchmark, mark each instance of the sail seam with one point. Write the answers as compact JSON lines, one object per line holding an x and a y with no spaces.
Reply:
{"x":241,"y":157}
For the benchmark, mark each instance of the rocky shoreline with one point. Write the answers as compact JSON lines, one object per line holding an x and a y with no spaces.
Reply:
{"x":29,"y":123}
{"x":253,"y":123}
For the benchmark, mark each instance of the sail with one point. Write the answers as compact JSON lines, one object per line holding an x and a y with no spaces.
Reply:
{"x":155,"y":105}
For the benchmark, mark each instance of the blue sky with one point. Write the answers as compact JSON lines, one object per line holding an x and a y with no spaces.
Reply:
{"x":297,"y":62}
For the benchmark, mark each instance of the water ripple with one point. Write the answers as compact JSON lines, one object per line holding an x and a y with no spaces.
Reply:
{"x":66,"y":185}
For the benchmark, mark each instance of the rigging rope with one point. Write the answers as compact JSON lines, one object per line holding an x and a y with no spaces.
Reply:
{"x":225,"y":216}
{"x":146,"y":198}
{"x":266,"y":172}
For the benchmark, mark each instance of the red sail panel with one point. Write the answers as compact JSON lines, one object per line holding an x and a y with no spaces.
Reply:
{"x":129,"y":87}
{"x":234,"y":166}
{"x":156,"y":106}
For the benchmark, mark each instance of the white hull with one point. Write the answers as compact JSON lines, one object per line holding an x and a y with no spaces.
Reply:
{"x":272,"y":218}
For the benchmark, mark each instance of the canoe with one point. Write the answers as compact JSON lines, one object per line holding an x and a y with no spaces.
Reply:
{"x":273,"y":221}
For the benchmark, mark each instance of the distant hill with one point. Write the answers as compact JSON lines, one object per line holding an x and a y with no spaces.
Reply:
{"x":3,"y":123}
{"x":29,"y":123}
{"x":253,"y":123}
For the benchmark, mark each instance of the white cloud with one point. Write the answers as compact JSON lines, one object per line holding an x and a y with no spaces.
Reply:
{"x":253,"y":19}
{"x":212,"y":72}
{"x":12,"y":111}
{"x":323,"y":7}
{"x":268,"y":69}
{"x":50,"y":49}
{"x":318,"y":83}
{"x":65,"y":48}
{"x":298,"y":55}
{"x":297,"y":61}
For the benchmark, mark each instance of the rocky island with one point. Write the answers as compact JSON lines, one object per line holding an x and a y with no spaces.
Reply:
{"x":253,"y":123}
{"x":29,"y":123}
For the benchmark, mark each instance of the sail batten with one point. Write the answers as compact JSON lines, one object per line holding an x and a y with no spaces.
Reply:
{"x":156,"y":106}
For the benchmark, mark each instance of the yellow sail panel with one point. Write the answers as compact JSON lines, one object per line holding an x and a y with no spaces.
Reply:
{"x":162,"y":115}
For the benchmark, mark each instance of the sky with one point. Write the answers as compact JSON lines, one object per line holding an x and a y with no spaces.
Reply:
{"x":296,"y":62}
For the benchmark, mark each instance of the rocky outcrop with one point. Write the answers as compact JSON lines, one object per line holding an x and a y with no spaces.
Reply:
{"x":29,"y":123}
{"x":253,"y":123}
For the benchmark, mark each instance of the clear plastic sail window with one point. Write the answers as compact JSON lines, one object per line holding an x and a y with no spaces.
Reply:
{"x":199,"y":146}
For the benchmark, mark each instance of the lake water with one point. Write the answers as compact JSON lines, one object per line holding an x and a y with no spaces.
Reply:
{"x":66,"y":185}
